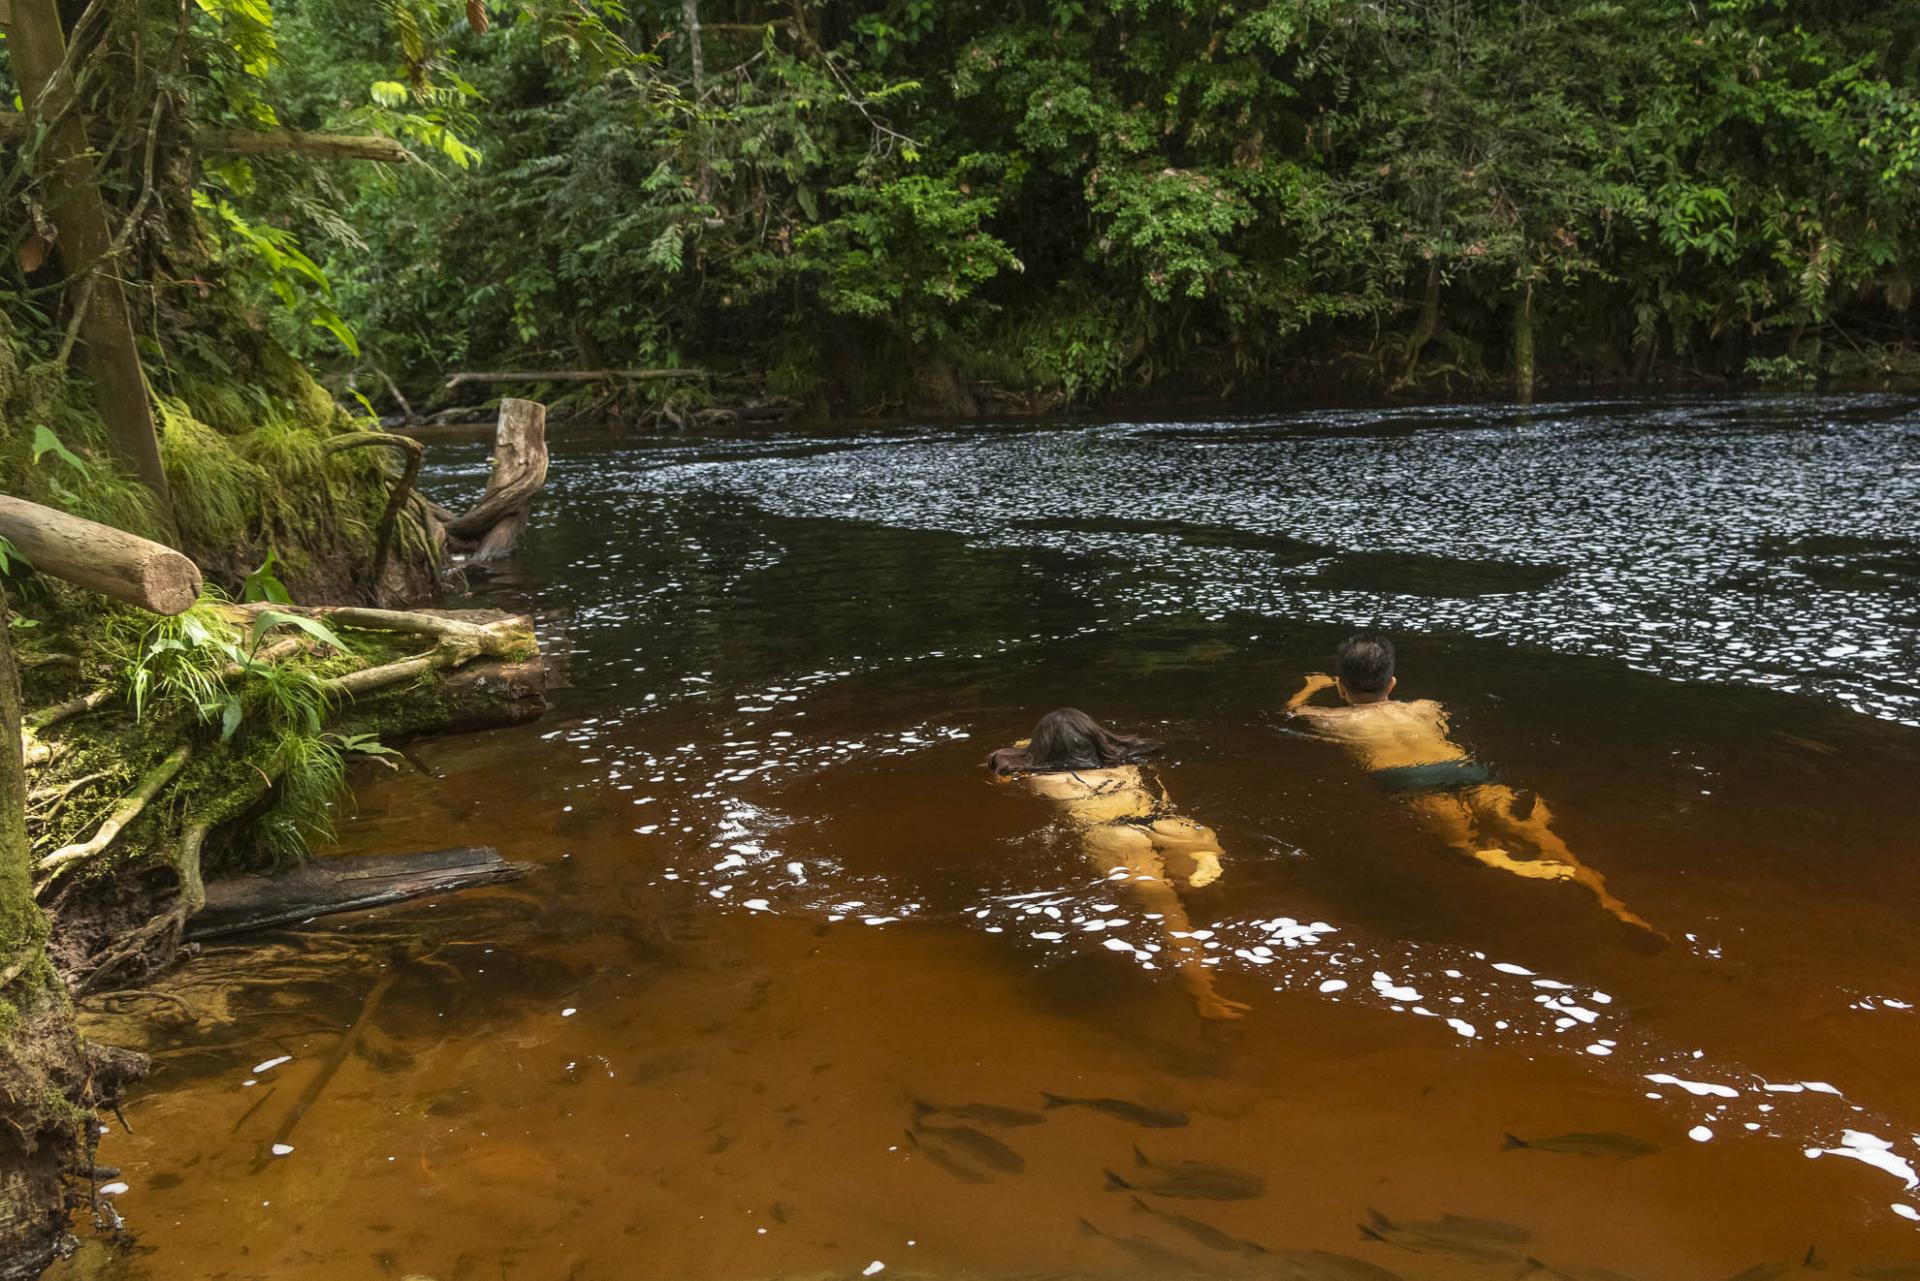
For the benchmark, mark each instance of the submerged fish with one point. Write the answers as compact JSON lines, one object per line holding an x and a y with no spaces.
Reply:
{"x":1535,"y":1268}
{"x":1138,"y":1113}
{"x":974,"y":1144}
{"x":1324,"y":1265}
{"x":1189,"y":1180}
{"x":1811,"y":1262}
{"x":1151,"y":1253}
{"x":1205,"y":1233}
{"x":1621,"y":1147}
{"x":1480,"y":1240}
{"x":1767,"y":1272}
{"x":958,"y":1169}
{"x":985,"y":1113}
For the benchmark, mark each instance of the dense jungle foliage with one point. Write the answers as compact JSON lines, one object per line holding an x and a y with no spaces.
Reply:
{"x":1093,"y":195}
{"x":892,"y":203}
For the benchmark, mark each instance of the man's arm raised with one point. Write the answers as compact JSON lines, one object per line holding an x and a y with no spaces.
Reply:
{"x":1315,"y":683}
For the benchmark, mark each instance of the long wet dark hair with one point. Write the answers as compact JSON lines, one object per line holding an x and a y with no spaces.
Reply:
{"x":1068,"y":739}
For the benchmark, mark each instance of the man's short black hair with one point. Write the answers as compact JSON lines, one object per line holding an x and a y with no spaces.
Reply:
{"x":1365,"y":663}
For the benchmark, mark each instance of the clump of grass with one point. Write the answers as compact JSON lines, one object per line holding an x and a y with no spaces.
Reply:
{"x":168,"y":662}
{"x":229,"y":407}
{"x":289,"y":450}
{"x":311,"y":774}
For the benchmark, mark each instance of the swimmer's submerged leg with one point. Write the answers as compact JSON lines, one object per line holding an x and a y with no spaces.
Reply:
{"x":1529,"y":822}
{"x":1127,"y":854}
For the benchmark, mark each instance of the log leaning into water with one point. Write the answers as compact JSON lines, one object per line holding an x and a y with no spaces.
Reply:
{"x":100,"y":558}
{"x":347,"y":884}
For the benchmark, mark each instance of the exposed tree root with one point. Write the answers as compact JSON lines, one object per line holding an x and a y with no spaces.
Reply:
{"x":49,"y":716}
{"x":170,"y":923}
{"x":124,"y":813}
{"x":45,"y":802}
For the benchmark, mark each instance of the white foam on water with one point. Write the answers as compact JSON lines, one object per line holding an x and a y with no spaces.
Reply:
{"x":1698,"y":1089}
{"x":1871,"y":1149}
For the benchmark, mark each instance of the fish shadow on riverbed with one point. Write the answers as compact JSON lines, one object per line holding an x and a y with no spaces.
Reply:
{"x":1592,"y":1144}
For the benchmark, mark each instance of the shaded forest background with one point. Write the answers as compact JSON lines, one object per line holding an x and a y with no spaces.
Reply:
{"x":1018,"y":204}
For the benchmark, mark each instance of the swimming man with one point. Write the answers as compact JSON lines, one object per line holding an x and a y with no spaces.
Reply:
{"x":1407,"y":749}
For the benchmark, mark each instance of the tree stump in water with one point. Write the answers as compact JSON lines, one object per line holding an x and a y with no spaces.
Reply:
{"x":490,"y":529}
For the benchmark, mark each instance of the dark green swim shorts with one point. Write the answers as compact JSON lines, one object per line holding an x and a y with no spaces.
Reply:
{"x":1434,"y":776}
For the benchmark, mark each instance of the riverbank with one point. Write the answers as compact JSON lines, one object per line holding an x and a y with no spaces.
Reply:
{"x":740,"y":401}
{"x":161,"y":739}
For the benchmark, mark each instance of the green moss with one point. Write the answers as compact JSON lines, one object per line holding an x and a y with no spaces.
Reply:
{"x":217,"y":494}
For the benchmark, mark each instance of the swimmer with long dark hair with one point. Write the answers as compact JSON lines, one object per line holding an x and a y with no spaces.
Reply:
{"x":1127,"y":829}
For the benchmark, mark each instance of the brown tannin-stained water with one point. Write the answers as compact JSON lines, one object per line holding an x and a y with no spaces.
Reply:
{"x":797,"y":991}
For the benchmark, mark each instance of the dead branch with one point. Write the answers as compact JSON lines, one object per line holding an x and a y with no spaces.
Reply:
{"x":570,"y":375}
{"x":341,"y":1052}
{"x":254,"y":142}
{"x":50,"y":716}
{"x":402,"y":487}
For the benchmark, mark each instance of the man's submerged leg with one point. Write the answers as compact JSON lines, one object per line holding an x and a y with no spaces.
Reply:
{"x":1529,"y":822}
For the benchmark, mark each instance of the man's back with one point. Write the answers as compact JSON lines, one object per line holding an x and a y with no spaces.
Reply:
{"x":1388,"y":735}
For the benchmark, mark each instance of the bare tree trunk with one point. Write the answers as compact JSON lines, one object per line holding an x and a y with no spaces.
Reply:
{"x":697,"y":55}
{"x":38,"y":1047}
{"x":36,"y":42}
{"x":1523,"y":348}
{"x":1429,"y":323}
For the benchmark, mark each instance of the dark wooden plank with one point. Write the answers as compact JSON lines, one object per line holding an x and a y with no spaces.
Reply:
{"x":346,"y":884}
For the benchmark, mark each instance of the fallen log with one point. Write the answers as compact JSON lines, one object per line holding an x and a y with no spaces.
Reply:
{"x":100,"y":558}
{"x":570,"y":375}
{"x":345,"y":884}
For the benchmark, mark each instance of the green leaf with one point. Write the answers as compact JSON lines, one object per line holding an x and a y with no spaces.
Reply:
{"x":45,"y":442}
{"x":230,"y":714}
{"x":268,"y":619}
{"x":264,"y":584}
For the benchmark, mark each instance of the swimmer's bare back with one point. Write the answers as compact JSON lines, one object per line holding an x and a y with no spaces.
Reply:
{"x":1387,"y":735}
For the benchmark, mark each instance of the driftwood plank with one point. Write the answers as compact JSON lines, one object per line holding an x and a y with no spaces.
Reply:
{"x":347,"y":884}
